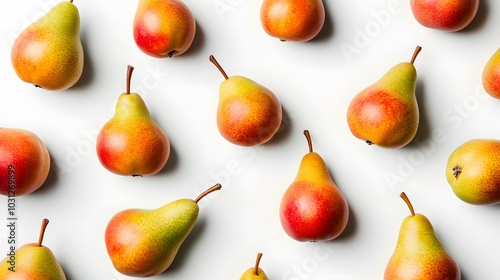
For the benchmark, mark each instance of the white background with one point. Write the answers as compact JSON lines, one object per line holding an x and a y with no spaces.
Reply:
{"x":315,"y":82}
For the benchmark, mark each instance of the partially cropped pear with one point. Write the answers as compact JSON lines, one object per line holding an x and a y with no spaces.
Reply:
{"x":292,"y":20}
{"x":491,"y":75}
{"x":255,"y":273}
{"x":163,"y":28}
{"x":144,"y":243}
{"x":49,"y":53}
{"x":473,"y":171}
{"x":313,"y":208}
{"x":248,"y":114}
{"x":31,"y":261}
{"x":131,"y":142}
{"x":386,"y":112}
{"x":419,"y":253}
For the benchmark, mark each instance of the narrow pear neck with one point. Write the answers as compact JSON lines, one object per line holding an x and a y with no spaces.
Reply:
{"x":131,"y":104}
{"x":313,"y":167}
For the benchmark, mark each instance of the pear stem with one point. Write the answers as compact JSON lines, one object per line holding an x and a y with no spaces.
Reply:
{"x":407,"y":200}
{"x":309,"y":141}
{"x":415,"y":53}
{"x":45,"y":222}
{"x":257,"y":262}
{"x":216,"y":63}
{"x":130,"y":69}
{"x":216,"y":187}
{"x":71,"y":1}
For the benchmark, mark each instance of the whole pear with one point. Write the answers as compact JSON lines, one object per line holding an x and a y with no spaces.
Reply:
{"x":419,"y":254}
{"x":144,"y":243}
{"x":445,"y":15}
{"x":131,"y":142}
{"x":32,"y":261}
{"x":49,"y":53}
{"x":292,"y":20}
{"x":386,"y":112}
{"x":24,"y":162}
{"x":163,"y":28}
{"x":255,"y":273}
{"x":491,"y":75}
{"x":473,"y":171}
{"x":313,"y":208}
{"x":248,"y":114}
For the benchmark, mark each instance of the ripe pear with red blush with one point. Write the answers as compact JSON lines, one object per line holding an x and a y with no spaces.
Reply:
{"x":419,"y":253}
{"x":131,"y":143}
{"x":313,"y":208}
{"x":163,"y":28}
{"x":255,"y":273}
{"x":491,"y":75}
{"x":292,"y":20}
{"x":445,"y":15}
{"x":24,"y":162}
{"x":248,"y":114}
{"x":386,"y":112}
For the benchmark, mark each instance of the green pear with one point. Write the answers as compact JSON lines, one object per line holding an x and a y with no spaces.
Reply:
{"x":32,"y":261}
{"x":131,"y":143}
{"x":419,"y":254}
{"x":313,"y":208}
{"x":386,"y":112}
{"x":248,"y":114}
{"x":255,"y":273}
{"x":473,"y":171}
{"x":144,"y":243}
{"x":49,"y":53}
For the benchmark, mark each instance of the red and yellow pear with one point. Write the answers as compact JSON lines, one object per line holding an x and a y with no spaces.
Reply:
{"x":445,"y":15}
{"x":491,"y":75}
{"x":313,"y":208}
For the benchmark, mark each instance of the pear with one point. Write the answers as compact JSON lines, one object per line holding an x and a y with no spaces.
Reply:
{"x":163,"y":28}
{"x":313,"y":208}
{"x":32,"y":261}
{"x":292,"y":20}
{"x":49,"y":53}
{"x":473,"y":171}
{"x":144,"y":243}
{"x":248,"y":114}
{"x":255,"y":273}
{"x":491,"y":75}
{"x":131,"y":142}
{"x":386,"y":112}
{"x":419,"y":254}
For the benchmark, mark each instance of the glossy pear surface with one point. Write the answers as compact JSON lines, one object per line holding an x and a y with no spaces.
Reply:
{"x":386,"y":112}
{"x":32,"y":261}
{"x":419,"y":254}
{"x":48,"y":53}
{"x":248,"y":114}
{"x":144,"y":243}
{"x":491,"y":75}
{"x":445,"y":15}
{"x":131,"y":142}
{"x":163,"y":28}
{"x":24,"y":162}
{"x":473,"y":171}
{"x":254,"y":273}
{"x":313,"y":208}
{"x":292,"y":20}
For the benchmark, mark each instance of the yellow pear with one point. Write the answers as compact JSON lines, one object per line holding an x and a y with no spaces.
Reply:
{"x":255,"y":273}
{"x":49,"y":53}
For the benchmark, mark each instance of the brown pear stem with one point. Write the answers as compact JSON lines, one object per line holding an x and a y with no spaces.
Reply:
{"x":71,"y":1}
{"x":216,"y":63}
{"x":216,"y":187}
{"x":130,"y":69}
{"x":45,"y":222}
{"x":257,"y":262}
{"x":415,"y":53}
{"x":407,"y":200}
{"x":309,"y":141}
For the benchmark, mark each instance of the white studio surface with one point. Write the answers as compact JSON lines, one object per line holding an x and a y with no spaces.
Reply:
{"x":315,"y":82}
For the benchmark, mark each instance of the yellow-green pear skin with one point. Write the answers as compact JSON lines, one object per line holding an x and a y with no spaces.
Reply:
{"x":32,"y":261}
{"x":386,"y":113}
{"x":144,"y":243}
{"x":419,"y":254}
{"x":473,"y":171}
{"x":49,"y":53}
{"x":255,"y":273}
